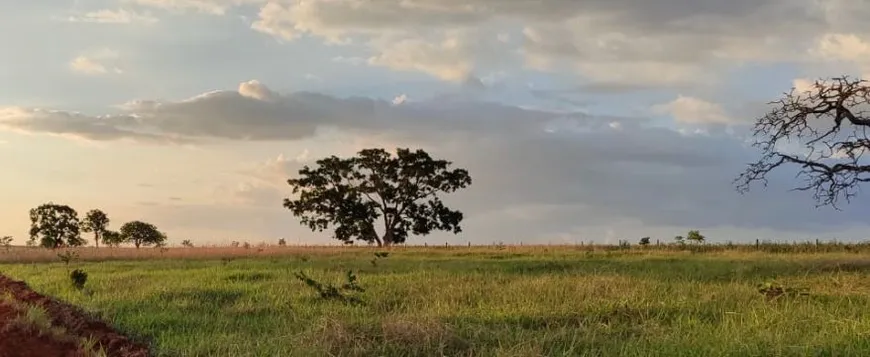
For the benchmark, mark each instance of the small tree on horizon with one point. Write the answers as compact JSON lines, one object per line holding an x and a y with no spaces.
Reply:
{"x":644,"y":241}
{"x":6,"y":242}
{"x":401,"y":191}
{"x":112,"y":238}
{"x":695,"y":236}
{"x":140,"y":233}
{"x":95,"y":221}
{"x":55,"y":226}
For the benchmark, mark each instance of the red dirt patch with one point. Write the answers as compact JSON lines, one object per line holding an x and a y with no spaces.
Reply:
{"x":17,"y":340}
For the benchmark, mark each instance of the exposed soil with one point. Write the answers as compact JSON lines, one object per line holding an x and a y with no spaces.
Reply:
{"x":21,"y":340}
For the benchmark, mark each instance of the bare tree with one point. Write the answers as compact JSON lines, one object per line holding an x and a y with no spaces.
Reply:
{"x":822,"y":131}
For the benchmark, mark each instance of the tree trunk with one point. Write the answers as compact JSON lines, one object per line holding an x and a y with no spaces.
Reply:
{"x":388,"y":238}
{"x":137,"y":243}
{"x":97,"y":239}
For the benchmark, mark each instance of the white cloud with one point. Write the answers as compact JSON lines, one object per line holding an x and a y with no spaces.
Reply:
{"x":851,"y":48}
{"x":96,"y":63}
{"x":400,"y":99}
{"x":354,"y":61}
{"x":803,"y":85}
{"x":447,"y":60}
{"x":120,"y":16}
{"x":256,"y":90}
{"x":690,"y":110}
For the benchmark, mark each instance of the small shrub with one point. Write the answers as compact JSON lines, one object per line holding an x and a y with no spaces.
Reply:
{"x":246,"y":245}
{"x":282,"y":242}
{"x":78,"y":278}
{"x":234,"y":244}
{"x":331,"y":292}
{"x":68,"y":257}
{"x":186,"y":243}
{"x":379,"y":255}
{"x":644,"y":241}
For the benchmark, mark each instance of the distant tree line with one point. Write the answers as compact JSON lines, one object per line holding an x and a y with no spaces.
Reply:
{"x":57,"y":226}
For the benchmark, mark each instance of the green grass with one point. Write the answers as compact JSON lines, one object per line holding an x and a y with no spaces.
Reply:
{"x":509,"y":302}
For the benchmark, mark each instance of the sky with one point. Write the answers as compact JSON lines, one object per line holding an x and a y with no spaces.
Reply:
{"x":594,"y":120}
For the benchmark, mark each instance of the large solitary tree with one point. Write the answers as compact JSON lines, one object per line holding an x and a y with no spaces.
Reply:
{"x":377,"y":191}
{"x":822,"y":131}
{"x":95,"y":221}
{"x":141,"y":233}
{"x":55,"y":226}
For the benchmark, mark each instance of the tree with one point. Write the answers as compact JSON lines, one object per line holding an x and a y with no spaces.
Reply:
{"x":829,"y":123}
{"x":55,"y":226}
{"x":6,"y":242}
{"x":400,"y":191}
{"x":680,"y":240}
{"x":140,"y":233}
{"x":695,"y":236}
{"x":644,"y":241}
{"x":95,"y":221}
{"x":112,"y":238}
{"x":187,"y":243}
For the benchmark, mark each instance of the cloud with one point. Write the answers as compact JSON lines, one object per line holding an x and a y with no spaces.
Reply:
{"x":692,"y":110}
{"x":96,"y":63}
{"x":447,"y":60}
{"x":120,"y":16}
{"x":74,"y":125}
{"x":354,"y":61}
{"x":613,"y":44}
{"x":255,"y":112}
{"x":664,"y":42}
{"x":398,"y":100}
{"x":212,"y":7}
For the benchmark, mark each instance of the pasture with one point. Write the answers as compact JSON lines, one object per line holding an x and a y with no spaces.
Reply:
{"x":471,"y":301}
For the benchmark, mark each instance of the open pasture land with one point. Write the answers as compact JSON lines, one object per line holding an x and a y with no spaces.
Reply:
{"x":497,"y":301}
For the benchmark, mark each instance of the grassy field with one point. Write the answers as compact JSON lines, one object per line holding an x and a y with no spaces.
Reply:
{"x":510,"y":301}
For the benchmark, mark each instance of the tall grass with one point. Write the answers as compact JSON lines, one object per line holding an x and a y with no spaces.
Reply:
{"x":37,"y":255}
{"x":480,"y":301}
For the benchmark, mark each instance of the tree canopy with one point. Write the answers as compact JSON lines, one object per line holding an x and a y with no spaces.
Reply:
{"x":140,"y":233}
{"x":112,"y":238}
{"x":821,"y":131}
{"x":95,"y":221}
{"x":401,"y":191}
{"x":55,"y":225}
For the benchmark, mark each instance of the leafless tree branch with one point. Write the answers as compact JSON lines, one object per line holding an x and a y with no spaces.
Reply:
{"x":827,"y":129}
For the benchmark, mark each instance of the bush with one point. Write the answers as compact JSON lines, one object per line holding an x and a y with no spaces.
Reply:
{"x":78,"y":279}
{"x":282,"y":242}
